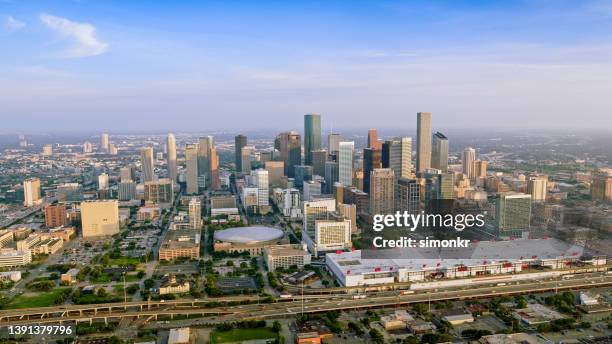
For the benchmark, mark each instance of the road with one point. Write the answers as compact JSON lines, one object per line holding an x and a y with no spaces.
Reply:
{"x":289,"y":307}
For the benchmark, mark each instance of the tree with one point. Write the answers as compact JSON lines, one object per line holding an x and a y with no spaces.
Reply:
{"x":276,"y":326}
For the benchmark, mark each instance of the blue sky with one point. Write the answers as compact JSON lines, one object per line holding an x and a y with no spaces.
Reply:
{"x":137,"y":65}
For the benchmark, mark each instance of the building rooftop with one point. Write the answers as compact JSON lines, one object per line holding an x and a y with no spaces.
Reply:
{"x":248,"y":235}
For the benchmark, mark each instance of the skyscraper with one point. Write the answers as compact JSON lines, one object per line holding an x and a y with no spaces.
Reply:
{"x":331,"y":176}
{"x":215,"y":183}
{"x":103,"y":181}
{"x":333,"y":143}
{"x":345,"y":162}
{"x":373,"y":141}
{"x":536,"y":187}
{"x":439,"y":153}
{"x":601,"y":187}
{"x":245,"y":159}
{"x":423,"y":141}
{"x":171,"y":146}
{"x":205,"y":146}
{"x":513,"y":213}
{"x":126,"y":173}
{"x":195,"y":213}
{"x":382,"y":191}
{"x":312,"y":136}
{"x":239,"y":142}
{"x":318,"y":159}
{"x":397,"y":155}
{"x":407,"y":195}
{"x":260,"y":177}
{"x":276,"y":171}
{"x":371,"y":161}
{"x":31,"y":192}
{"x":290,"y":151}
{"x":146,"y":158}
{"x":467,"y":162}
{"x":191,"y":162}
{"x":104,"y":141}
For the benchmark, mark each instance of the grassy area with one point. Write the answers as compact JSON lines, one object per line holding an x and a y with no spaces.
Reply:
{"x":45,"y":299}
{"x":124,"y":261}
{"x":237,"y":335}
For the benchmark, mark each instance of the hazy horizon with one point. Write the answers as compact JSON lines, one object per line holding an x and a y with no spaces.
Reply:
{"x":116,"y":66}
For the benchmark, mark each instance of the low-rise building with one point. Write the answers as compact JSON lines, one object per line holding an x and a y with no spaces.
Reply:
{"x":171,"y":285}
{"x":180,"y":243}
{"x":69,"y":276}
{"x":13,"y":258}
{"x":286,"y":256}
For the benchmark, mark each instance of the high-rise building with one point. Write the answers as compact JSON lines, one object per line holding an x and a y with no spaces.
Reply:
{"x":55,"y":215}
{"x":127,"y":190}
{"x":382,"y":191}
{"x":195,"y":213}
{"x":276,"y":171}
{"x":159,"y":192}
{"x":333,"y":143}
{"x":312,"y":136}
{"x":345,"y":162}
{"x":316,"y":210}
{"x":439,"y":152}
{"x":329,"y":235}
{"x":103,"y":181}
{"x":407,"y":196}
{"x":112,"y":149}
{"x":536,"y":187}
{"x":23,"y":141}
{"x":302,"y":174}
{"x":601,"y":186}
{"x":204,"y":159}
{"x":146,"y":158}
{"x":331,"y":176}
{"x":290,"y":151}
{"x":69,"y":192}
{"x":215,"y":182}
{"x":47,"y":150}
{"x":171,"y":162}
{"x":260,"y":178}
{"x":467,"y":162}
{"x":87,"y":147}
{"x":99,"y":218}
{"x":371,"y":161}
{"x":318,"y":159}
{"x":423,"y":160}
{"x":104,"y":142}
{"x":31,"y":192}
{"x":126,"y":173}
{"x":373,"y":141}
{"x":191,"y":162}
{"x":480,"y":169}
{"x":239,"y":142}
{"x":397,"y":155}
{"x":245,"y":156}
{"x":513,"y":213}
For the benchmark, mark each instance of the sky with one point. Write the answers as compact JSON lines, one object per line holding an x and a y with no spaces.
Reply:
{"x":238,"y":65}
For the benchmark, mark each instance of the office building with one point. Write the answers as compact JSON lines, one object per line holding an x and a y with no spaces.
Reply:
{"x":331,"y":176}
{"x":195,"y":213}
{"x":302,"y":174}
{"x":371,"y":161}
{"x":382,"y":191}
{"x":397,"y":155}
{"x":349,"y":212}
{"x":55,"y":215}
{"x":480,"y":169}
{"x":127,"y":174}
{"x":328,"y":236}
{"x":245,"y":156}
{"x":31,"y":192}
{"x":601,"y":186}
{"x":191,"y":162}
{"x":99,"y":218}
{"x":467,"y":162}
{"x":288,"y":202}
{"x":345,"y":163}
{"x":205,"y":145}
{"x":423,"y":160}
{"x":333,"y":143}
{"x":286,"y":256}
{"x":439,"y":152}
{"x":214,"y":181}
{"x":47,"y":150}
{"x":104,"y":142}
{"x":180,"y":243}
{"x":318,"y":158}
{"x":312,"y":136}
{"x":239,"y":142}
{"x":159,"y":192}
{"x":171,"y":157}
{"x":536,"y":187}
{"x":316,"y":210}
{"x":407,"y":196}
{"x":146,"y":159}
{"x":276,"y":171}
{"x":103,"y":181}
{"x":513,"y":213}
{"x":290,"y":151}
{"x":260,"y":178}
{"x":13,"y":258}
{"x":127,"y":190}
{"x":87,"y":147}
{"x":373,"y":141}
{"x":69,"y":192}
{"x":311,"y":189}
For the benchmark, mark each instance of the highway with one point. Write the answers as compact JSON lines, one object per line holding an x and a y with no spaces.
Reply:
{"x":283,"y":307}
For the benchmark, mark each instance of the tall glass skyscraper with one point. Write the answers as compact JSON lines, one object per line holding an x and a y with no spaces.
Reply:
{"x":345,"y":163}
{"x":312,"y":136}
{"x":439,"y":153}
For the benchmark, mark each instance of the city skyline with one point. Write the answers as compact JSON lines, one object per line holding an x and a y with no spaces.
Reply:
{"x":511,"y":64}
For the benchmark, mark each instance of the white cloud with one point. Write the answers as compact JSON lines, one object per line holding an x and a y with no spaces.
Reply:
{"x":12,"y":24}
{"x":83,"y":35}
